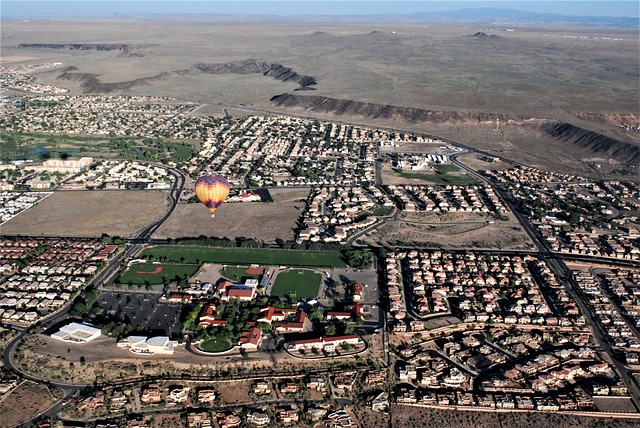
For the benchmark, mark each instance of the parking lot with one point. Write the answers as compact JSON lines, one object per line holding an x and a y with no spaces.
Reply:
{"x":370,"y":292}
{"x":142,"y":311}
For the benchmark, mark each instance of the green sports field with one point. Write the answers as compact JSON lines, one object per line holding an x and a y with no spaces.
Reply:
{"x":184,"y":254}
{"x":141,"y":273}
{"x":297,"y":283}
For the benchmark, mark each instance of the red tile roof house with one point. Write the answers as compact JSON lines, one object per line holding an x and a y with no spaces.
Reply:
{"x":275,"y":314}
{"x":251,"y":339}
{"x":208,"y":317}
{"x":299,"y":325}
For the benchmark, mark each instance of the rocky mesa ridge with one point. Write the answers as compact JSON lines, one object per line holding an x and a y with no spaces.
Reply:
{"x":250,"y":66}
{"x":340,"y":107}
{"x":599,"y":144}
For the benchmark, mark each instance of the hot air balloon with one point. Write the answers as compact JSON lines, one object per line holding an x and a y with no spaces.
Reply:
{"x":212,"y":190}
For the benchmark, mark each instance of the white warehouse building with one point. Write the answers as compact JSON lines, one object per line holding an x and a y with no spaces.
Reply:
{"x":78,"y":333}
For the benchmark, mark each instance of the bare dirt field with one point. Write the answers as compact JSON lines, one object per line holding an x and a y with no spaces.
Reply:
{"x":528,"y":145}
{"x":415,"y":417}
{"x":479,"y":163}
{"x":433,"y":217}
{"x":166,"y":420}
{"x":614,"y":404}
{"x":26,"y":401}
{"x":450,"y":236}
{"x":208,"y":272}
{"x":90,"y":214}
{"x":261,"y":221}
{"x":234,"y":392}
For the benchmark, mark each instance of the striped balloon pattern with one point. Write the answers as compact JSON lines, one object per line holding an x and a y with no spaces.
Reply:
{"x":212,"y":190}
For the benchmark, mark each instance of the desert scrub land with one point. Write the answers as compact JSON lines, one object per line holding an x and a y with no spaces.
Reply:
{"x":26,"y":401}
{"x":416,"y":417}
{"x":91,"y":213}
{"x":449,"y":236}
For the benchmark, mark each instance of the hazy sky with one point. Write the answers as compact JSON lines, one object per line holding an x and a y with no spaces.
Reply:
{"x":38,"y":8}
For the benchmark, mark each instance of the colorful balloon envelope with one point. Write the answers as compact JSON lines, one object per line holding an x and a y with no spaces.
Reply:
{"x":212,"y":190}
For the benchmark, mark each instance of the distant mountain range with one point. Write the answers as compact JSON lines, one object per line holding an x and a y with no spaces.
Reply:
{"x":208,"y":11}
{"x":492,"y":16}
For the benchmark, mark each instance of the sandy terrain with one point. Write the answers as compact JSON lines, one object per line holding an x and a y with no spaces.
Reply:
{"x":90,"y":214}
{"x":261,"y":221}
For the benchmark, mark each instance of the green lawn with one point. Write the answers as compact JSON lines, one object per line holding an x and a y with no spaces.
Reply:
{"x":304,"y":283}
{"x":242,"y":256}
{"x":440,"y":177}
{"x":382,"y":211}
{"x":156,"y":272}
{"x":237,"y":273}
{"x":446,"y":168}
{"x":215,"y":345}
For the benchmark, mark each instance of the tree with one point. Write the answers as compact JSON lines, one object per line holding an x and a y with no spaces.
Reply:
{"x":330,"y":330}
{"x":359,"y":259}
{"x":316,"y":315}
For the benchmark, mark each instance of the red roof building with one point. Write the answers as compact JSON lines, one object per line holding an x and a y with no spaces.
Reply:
{"x":338,"y":315}
{"x":357,"y":292}
{"x":208,"y":317}
{"x":272,"y":314}
{"x":179,"y":298}
{"x":251,"y":339}
{"x":240,"y":293}
{"x":299,"y":325}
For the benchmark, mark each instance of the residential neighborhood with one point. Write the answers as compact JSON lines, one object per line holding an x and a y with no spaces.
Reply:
{"x":319,"y":327}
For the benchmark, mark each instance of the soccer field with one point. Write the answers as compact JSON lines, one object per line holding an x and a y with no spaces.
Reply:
{"x":184,"y":254}
{"x":297,"y":284}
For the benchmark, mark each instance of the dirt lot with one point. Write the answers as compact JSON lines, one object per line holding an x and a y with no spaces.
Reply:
{"x":208,"y":272}
{"x":260,"y":221}
{"x":25,"y":402}
{"x":370,"y":419}
{"x":166,"y":420}
{"x":450,"y":236}
{"x":479,"y":162}
{"x":90,"y":213}
{"x":614,"y":404}
{"x":234,"y":392}
{"x":415,"y":417}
